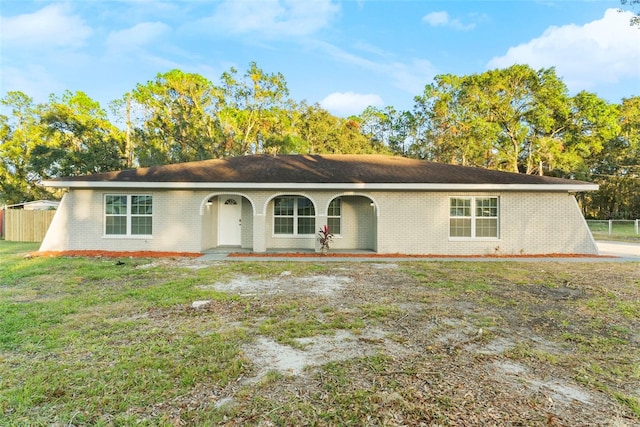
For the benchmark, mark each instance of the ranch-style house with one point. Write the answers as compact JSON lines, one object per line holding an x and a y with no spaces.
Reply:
{"x":262,"y":203}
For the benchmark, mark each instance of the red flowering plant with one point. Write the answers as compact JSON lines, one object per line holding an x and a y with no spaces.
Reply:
{"x":324,"y":237}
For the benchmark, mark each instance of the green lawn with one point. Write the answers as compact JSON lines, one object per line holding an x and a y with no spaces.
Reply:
{"x":620,"y":231}
{"x":115,"y":342}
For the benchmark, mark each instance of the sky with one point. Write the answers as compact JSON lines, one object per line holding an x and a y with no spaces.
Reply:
{"x":344,"y":55}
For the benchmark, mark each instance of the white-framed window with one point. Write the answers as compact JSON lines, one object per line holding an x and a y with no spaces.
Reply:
{"x":293,"y":215}
{"x":334,"y":215}
{"x":128,"y":215}
{"x":474,"y":217}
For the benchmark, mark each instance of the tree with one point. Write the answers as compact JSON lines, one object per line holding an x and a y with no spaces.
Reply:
{"x":324,"y":133}
{"x":19,"y":133}
{"x":387,"y":127}
{"x":314,"y":126}
{"x":511,"y":119}
{"x":178,"y":120}
{"x":124,"y":112}
{"x":594,"y":124}
{"x":448,"y":126}
{"x":616,"y":168}
{"x":253,"y":106}
{"x":347,"y":138}
{"x":77,"y":139}
{"x":633,"y":4}
{"x":531,"y":108}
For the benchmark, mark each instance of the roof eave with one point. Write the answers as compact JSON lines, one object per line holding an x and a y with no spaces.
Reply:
{"x":577,"y":187}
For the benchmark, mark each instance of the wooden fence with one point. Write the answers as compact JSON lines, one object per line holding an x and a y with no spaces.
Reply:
{"x":26,"y":226}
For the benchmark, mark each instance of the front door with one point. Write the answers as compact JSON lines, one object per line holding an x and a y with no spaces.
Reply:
{"x":230,"y":220}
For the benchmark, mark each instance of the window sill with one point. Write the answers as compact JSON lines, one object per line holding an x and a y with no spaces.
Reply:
{"x":127,"y":236}
{"x":292,"y":236}
{"x":474,"y":239}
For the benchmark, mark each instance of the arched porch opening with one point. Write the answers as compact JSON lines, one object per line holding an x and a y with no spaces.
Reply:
{"x":353,"y":220}
{"x":226,"y":221}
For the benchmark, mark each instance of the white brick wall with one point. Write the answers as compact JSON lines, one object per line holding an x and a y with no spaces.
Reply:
{"x":400,"y":222}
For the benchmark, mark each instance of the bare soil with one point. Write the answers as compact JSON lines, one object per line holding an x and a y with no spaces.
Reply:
{"x":516,"y":348}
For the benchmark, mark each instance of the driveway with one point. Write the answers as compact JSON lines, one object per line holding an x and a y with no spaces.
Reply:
{"x":620,"y":249}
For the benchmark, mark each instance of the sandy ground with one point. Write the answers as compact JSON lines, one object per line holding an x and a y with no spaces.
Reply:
{"x":440,"y":340}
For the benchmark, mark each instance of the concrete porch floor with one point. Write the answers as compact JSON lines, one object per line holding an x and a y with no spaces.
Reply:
{"x":616,"y":251}
{"x":221,"y":253}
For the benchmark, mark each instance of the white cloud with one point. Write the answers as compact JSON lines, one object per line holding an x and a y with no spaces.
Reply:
{"x":436,"y":19}
{"x":442,"y":19}
{"x":412,"y":77}
{"x":345,"y":104}
{"x":409,"y":76}
{"x":136,"y":37}
{"x":35,"y":81}
{"x":53,"y":25}
{"x":603,"y":51}
{"x":272,"y":18}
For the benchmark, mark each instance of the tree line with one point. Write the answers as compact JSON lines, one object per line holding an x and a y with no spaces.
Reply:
{"x":516,"y":119}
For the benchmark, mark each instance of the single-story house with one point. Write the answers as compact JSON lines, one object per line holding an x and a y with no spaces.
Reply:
{"x":262,"y":203}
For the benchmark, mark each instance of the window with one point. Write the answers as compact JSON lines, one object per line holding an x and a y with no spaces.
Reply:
{"x":128,"y":215}
{"x":486,"y":217}
{"x":293,"y":215}
{"x":115,"y":214}
{"x":473,"y":217}
{"x":333,"y":216}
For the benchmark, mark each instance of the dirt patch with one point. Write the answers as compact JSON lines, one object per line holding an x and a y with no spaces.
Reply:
{"x":448,"y":354}
{"x":269,"y":355}
{"x":285,"y":284}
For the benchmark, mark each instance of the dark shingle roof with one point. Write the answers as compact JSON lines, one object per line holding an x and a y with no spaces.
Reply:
{"x":316,"y":169}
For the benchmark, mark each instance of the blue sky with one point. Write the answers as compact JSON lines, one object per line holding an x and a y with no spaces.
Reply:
{"x":344,"y":55}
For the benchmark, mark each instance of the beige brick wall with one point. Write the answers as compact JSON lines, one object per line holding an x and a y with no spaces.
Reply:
{"x":530,"y":223}
{"x":84,"y":211}
{"x":399,"y":222}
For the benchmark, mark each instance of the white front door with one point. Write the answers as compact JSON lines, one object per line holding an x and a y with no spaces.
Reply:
{"x":230,"y":220}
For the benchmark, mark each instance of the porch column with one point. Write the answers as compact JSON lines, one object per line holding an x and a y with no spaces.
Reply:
{"x":259,"y":230}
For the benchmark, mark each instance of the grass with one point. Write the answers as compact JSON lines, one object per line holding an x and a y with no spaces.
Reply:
{"x":620,"y":231}
{"x":91,"y":329}
{"x":86,"y":341}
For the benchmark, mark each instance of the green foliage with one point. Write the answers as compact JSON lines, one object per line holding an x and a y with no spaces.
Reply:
{"x":254,"y":109}
{"x":617,"y":167}
{"x":388,"y":128}
{"x":19,"y":133}
{"x":634,"y":5}
{"x":178,"y":120}
{"x":522,"y":120}
{"x":516,"y":119}
{"x":324,"y":133}
{"x":78,"y":139}
{"x":509,"y":119}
